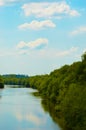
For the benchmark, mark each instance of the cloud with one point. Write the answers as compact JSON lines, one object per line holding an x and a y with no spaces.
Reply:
{"x":48,"y":9}
{"x":33,"y":44}
{"x":1,"y":2}
{"x":49,"y":53}
{"x":84,"y":51}
{"x":67,"y":52}
{"x":36,"y":25}
{"x":4,"y":2}
{"x":22,"y":44}
{"x":53,"y":53}
{"x":7,"y":52}
{"x":22,"y":52}
{"x":79,"y":30}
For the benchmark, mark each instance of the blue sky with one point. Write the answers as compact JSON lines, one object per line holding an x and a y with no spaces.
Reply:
{"x":37,"y":37}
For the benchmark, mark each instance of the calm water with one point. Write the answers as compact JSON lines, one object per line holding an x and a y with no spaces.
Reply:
{"x":19,"y":110}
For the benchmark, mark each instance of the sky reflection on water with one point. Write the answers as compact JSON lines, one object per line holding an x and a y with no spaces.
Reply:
{"x":19,"y":110}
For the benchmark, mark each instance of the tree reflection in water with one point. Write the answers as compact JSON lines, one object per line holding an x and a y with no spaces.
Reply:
{"x":49,"y":107}
{"x":1,"y":93}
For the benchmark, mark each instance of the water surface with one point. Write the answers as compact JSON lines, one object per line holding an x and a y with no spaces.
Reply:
{"x":19,"y":110}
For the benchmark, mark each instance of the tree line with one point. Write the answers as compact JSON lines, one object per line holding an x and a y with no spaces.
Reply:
{"x":15,"y":79}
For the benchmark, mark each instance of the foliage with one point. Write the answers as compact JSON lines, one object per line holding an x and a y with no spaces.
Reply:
{"x":13,"y":79}
{"x":1,"y":82}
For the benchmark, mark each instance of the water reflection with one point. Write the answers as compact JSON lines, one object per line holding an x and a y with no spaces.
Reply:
{"x":19,"y":110}
{"x":1,"y":93}
{"x":30,"y":117}
{"x":49,"y":108}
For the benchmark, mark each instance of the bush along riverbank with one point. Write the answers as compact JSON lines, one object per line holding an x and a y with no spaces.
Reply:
{"x":66,"y":89}
{"x":1,"y":82}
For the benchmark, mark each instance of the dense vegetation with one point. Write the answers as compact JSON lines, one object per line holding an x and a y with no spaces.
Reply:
{"x":65,"y":88}
{"x":1,"y":82}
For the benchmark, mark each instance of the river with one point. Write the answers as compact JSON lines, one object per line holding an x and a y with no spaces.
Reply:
{"x":20,"y":110}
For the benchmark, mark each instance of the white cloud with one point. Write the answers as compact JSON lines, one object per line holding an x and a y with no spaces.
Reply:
{"x":7,"y":52}
{"x":49,"y":53}
{"x":4,"y":2}
{"x":1,"y":2}
{"x":22,"y":52}
{"x":79,"y":31}
{"x":48,"y":9}
{"x":67,"y":52}
{"x":84,"y":51}
{"x":22,"y":44}
{"x":53,"y":53}
{"x":36,"y":25}
{"x":33,"y":44}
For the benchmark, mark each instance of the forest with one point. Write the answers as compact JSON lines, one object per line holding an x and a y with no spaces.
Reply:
{"x":65,"y":88}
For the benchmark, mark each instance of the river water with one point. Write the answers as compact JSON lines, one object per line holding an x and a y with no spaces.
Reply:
{"x":20,"y":110}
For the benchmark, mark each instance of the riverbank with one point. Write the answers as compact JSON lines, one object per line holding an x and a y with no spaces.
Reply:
{"x":1,"y":82}
{"x":66,"y":89}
